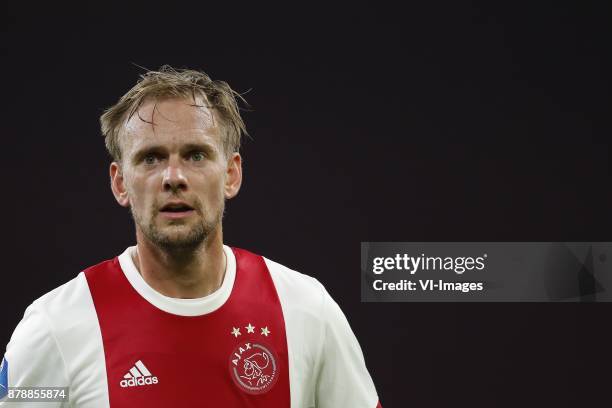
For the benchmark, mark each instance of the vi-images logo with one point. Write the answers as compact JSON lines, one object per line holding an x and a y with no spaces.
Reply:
{"x":137,"y":376}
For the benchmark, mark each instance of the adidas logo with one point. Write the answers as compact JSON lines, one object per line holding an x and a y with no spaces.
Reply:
{"x":138,"y":375}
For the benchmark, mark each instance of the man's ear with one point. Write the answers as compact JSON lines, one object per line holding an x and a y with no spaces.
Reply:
{"x":118,"y":185}
{"x":233,"y":179}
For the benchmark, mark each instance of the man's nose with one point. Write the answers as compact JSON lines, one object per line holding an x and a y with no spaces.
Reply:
{"x":174,"y":177}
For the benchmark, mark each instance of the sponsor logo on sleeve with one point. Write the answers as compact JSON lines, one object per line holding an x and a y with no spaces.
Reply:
{"x":3,"y":378}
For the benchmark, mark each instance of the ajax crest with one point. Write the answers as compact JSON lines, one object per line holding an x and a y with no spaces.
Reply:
{"x":253,"y":367}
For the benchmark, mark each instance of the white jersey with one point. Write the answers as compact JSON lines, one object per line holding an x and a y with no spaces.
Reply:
{"x":269,"y":336}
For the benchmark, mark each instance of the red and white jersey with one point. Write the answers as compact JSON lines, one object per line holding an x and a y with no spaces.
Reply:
{"x":268,"y":337}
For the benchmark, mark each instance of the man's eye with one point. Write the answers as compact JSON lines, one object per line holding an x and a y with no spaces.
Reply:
{"x":150,"y":159}
{"x":197,"y":156}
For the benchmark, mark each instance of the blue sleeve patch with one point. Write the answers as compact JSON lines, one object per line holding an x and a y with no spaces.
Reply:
{"x":3,"y":378}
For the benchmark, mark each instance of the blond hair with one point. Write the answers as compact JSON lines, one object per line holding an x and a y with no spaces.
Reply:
{"x":168,"y":82}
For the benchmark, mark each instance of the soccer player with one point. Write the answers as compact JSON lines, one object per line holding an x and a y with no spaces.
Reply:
{"x":180,"y":319}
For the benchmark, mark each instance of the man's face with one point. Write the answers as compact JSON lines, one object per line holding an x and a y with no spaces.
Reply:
{"x":174,"y":175}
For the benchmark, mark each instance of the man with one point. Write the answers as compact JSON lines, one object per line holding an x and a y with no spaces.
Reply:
{"x":180,"y":319}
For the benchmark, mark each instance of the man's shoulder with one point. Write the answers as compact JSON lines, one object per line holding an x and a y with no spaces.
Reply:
{"x":292,"y":277}
{"x":59,"y":332}
{"x":62,"y":294}
{"x":69,"y":292}
{"x":282,"y":274}
{"x":69,"y":305}
{"x":295,"y":288}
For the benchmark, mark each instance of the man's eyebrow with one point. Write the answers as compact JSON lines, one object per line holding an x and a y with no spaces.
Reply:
{"x":204,"y":146}
{"x":138,"y":154}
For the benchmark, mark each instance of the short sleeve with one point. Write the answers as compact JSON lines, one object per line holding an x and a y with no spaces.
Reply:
{"x":33,"y":358}
{"x":343,"y":379}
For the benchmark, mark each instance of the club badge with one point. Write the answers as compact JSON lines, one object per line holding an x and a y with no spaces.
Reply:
{"x":253,"y":364}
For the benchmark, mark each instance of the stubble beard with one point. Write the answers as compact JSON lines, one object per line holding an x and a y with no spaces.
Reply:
{"x":173,"y":242}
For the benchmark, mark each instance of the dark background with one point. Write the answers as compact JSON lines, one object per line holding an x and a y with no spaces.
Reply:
{"x":443,"y":121}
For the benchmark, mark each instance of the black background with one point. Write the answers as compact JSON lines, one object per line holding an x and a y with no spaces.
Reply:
{"x":436,"y":121}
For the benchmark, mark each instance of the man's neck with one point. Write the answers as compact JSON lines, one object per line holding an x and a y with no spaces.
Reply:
{"x":183,"y":275}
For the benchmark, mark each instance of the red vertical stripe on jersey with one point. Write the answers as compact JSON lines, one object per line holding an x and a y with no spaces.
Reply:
{"x":191,"y":356}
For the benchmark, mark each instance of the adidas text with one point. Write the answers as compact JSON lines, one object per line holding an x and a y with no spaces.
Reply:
{"x":135,"y":382}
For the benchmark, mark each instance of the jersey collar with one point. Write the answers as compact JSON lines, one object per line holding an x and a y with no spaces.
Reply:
{"x":181,"y":307}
